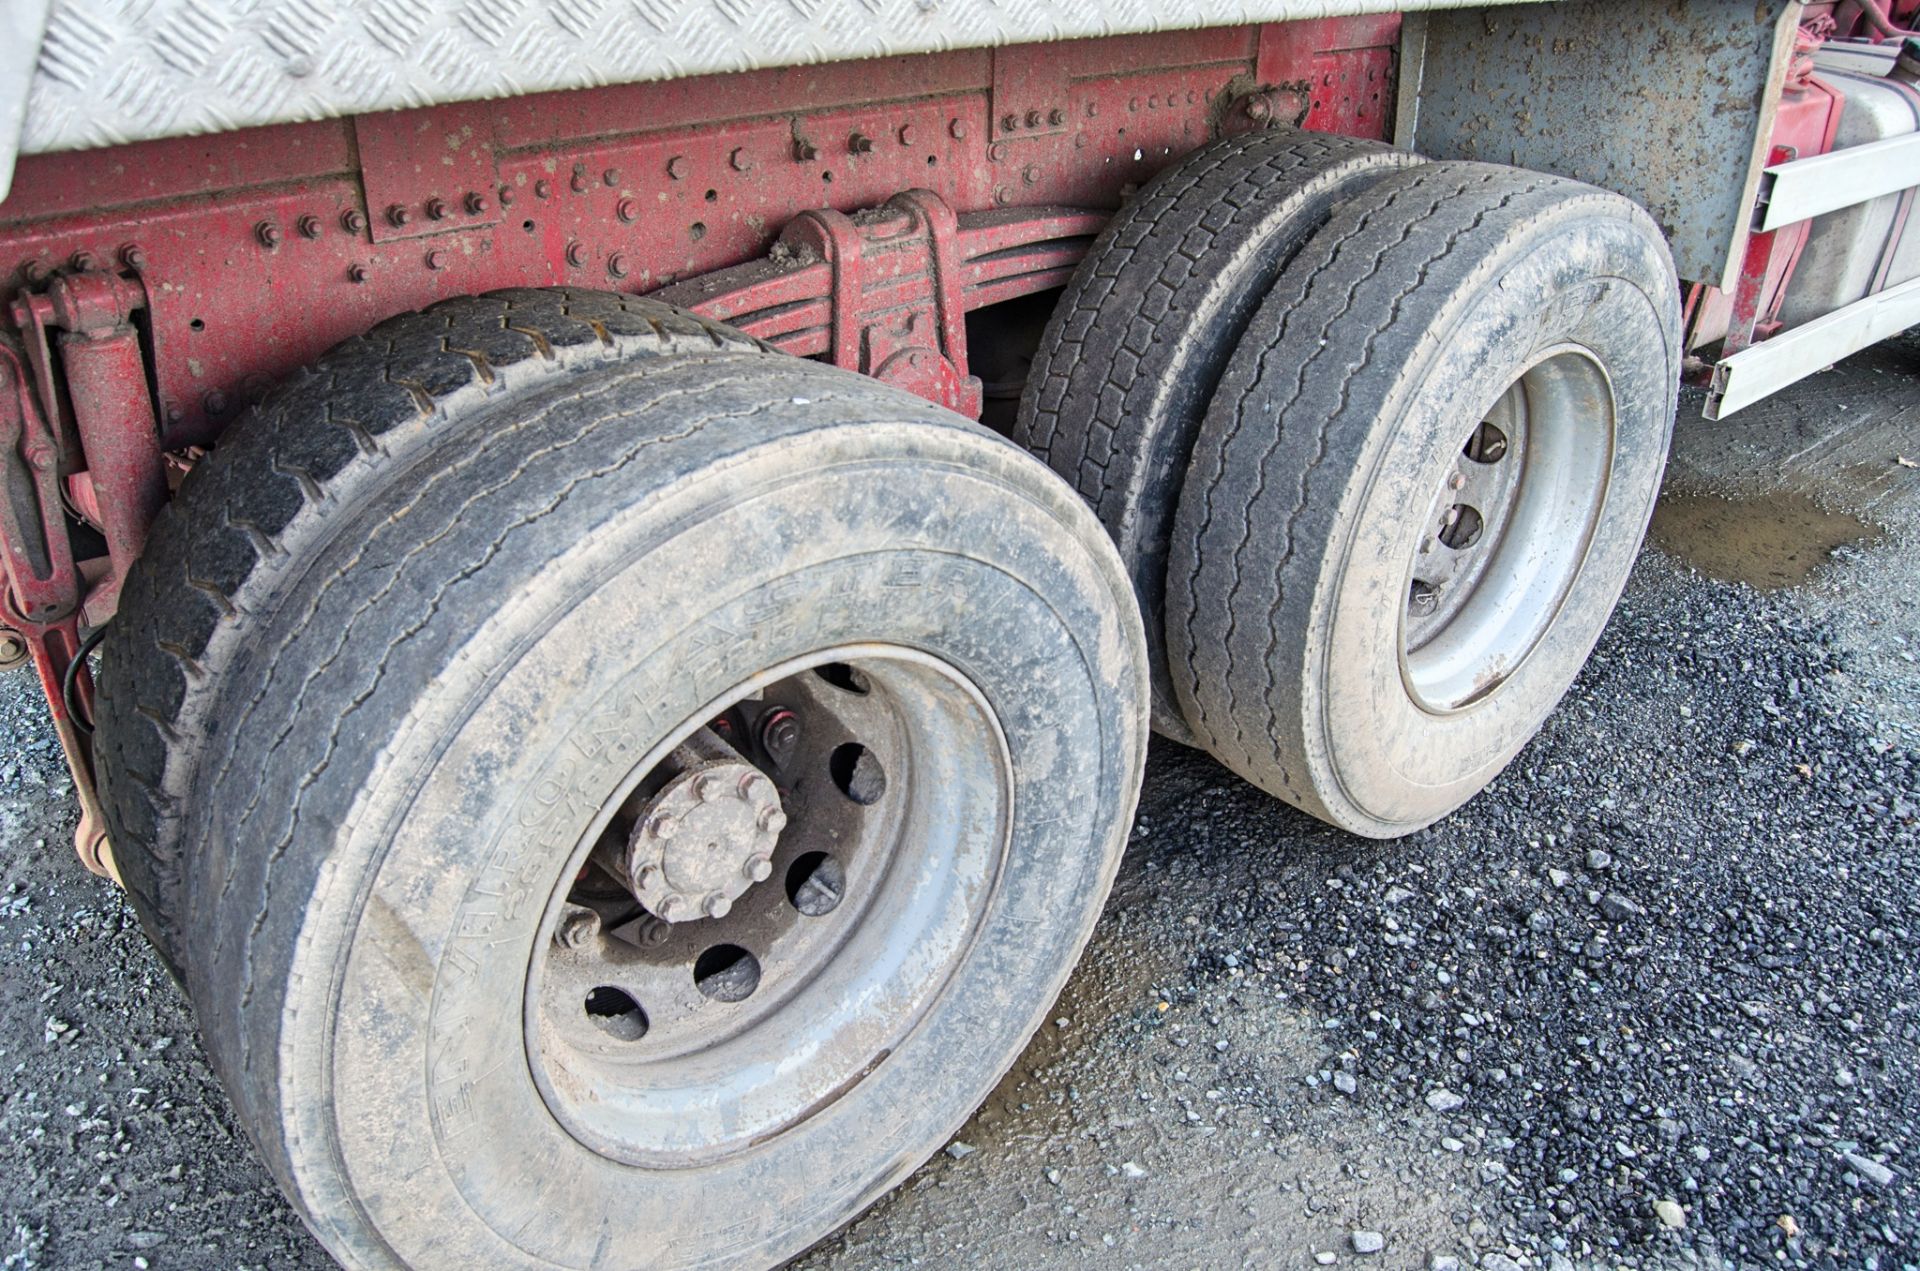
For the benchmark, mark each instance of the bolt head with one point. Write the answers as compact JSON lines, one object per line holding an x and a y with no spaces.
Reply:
{"x":758,"y":868}
{"x":476,"y":203}
{"x":628,"y":211}
{"x":741,"y":160}
{"x":576,"y":255}
{"x":268,"y":233}
{"x":664,"y":826}
{"x":309,"y":226}
{"x":579,"y":183}
{"x":356,"y":273}
{"x":772,"y":821}
{"x":1031,"y":174}
{"x":436,"y":260}
{"x":542,"y":189}
{"x":677,"y":166}
{"x":36,"y":271}
{"x":1010,"y":122}
{"x":353,"y":221}
{"x":805,"y":151}
{"x":398,"y":216}
{"x":709,"y":788}
{"x":577,"y":929}
{"x":1056,"y":117}
{"x":82,"y":260}
{"x":958,"y":130}
{"x":133,"y":257}
{"x":906,"y":134}
{"x":672,"y":907}
{"x":717,"y":905}
{"x":436,"y":209}
{"x":610,"y":177}
{"x":617,"y":265}
{"x":1456,"y":481}
{"x":1033,"y":119}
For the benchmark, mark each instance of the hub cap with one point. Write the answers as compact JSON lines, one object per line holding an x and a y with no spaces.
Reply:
{"x":1507,"y":531}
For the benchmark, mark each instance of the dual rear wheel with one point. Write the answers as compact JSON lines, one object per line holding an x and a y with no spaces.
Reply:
{"x":1403,"y":488}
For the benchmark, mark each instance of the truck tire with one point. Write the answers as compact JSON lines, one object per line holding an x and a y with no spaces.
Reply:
{"x":1133,"y":350}
{"x":1420,"y":487}
{"x":653,"y":813}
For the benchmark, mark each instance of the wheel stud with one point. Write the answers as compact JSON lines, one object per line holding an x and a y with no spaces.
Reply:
{"x":759,"y":868}
{"x":780,"y":735}
{"x":664,"y":826}
{"x":717,"y":905}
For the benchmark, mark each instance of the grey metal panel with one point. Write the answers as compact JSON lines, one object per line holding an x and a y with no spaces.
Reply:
{"x":113,"y":71}
{"x":21,"y":25}
{"x":1669,"y":104}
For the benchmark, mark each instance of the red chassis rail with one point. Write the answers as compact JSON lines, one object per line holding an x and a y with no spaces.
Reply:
{"x":156,"y":289}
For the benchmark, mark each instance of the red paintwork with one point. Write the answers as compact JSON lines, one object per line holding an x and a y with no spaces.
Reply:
{"x":249,"y":254}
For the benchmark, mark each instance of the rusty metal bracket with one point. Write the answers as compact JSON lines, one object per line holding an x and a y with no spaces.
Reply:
{"x":898,"y":312}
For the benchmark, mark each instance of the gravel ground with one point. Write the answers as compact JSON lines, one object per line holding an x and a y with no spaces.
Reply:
{"x":1652,"y":1000}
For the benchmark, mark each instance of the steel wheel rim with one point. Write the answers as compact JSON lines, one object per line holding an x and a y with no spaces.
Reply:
{"x":724,"y":1058}
{"x":1507,"y":530}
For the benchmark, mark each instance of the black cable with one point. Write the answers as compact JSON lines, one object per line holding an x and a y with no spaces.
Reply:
{"x":67,"y":681}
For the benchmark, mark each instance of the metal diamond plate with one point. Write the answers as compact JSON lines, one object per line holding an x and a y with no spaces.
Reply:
{"x":113,"y":71}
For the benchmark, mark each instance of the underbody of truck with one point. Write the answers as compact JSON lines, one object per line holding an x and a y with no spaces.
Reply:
{"x":621,"y":758}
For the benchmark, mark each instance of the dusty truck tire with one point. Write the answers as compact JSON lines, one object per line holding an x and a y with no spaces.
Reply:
{"x":1131,"y":355}
{"x":1420,"y":488}
{"x":643,"y":606}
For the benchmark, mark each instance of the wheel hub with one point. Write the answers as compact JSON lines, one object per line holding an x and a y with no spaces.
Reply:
{"x":707,"y":836}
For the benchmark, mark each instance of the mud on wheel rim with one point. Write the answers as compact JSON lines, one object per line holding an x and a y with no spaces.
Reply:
{"x":768,"y":905}
{"x":1507,"y":531}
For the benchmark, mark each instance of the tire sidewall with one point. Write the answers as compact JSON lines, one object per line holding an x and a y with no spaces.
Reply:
{"x":1597,"y":285}
{"x":400,"y":1048}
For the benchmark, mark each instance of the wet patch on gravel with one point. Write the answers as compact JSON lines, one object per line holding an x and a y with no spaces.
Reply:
{"x":1770,"y":542}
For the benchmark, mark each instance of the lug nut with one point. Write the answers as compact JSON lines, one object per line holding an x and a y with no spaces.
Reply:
{"x":772,"y":821}
{"x":664,"y":826}
{"x":672,"y":907}
{"x":717,"y":906}
{"x":758,"y":868}
{"x":709,"y":788}
{"x":577,"y":929}
{"x":1457,"y":480}
{"x":436,"y":209}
